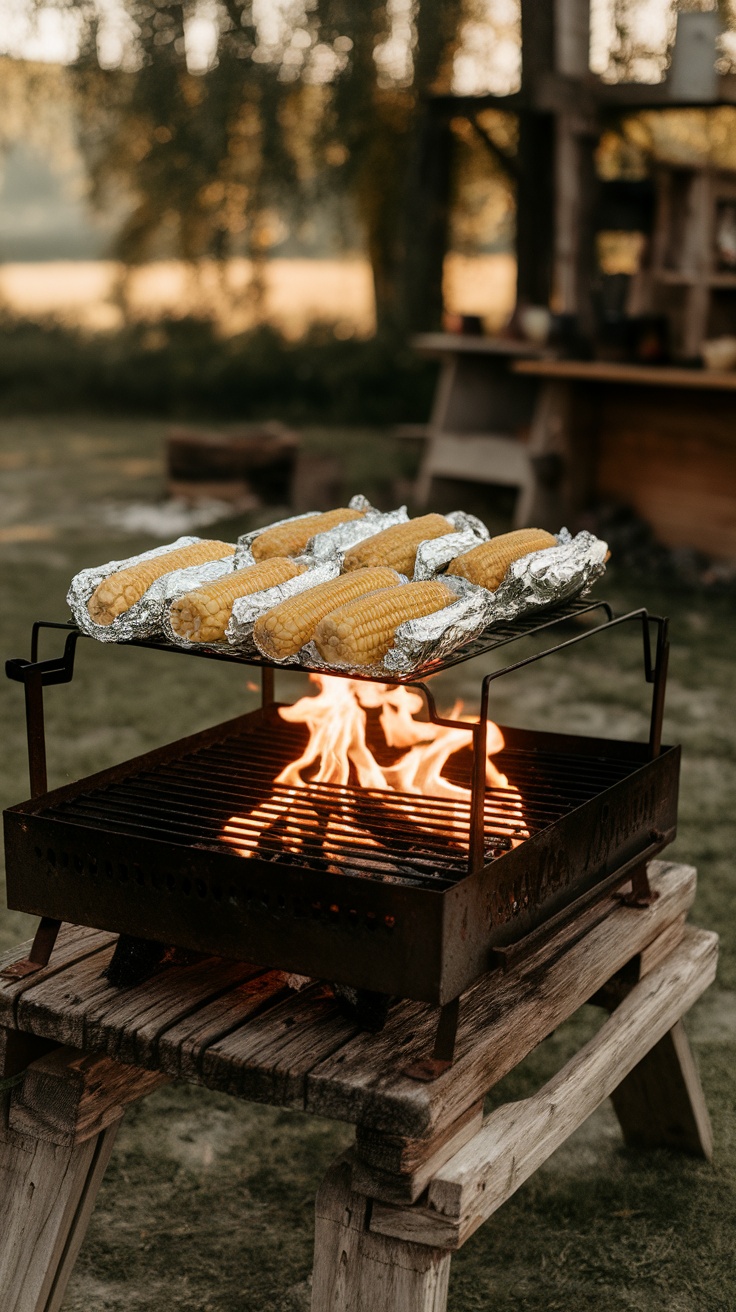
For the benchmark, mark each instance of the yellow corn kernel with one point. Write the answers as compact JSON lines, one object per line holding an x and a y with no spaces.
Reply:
{"x":284,"y":630}
{"x":291,"y":538}
{"x":119,"y":591}
{"x":488,"y":563}
{"x":204,"y":614}
{"x":361,"y":632}
{"x":397,"y":546}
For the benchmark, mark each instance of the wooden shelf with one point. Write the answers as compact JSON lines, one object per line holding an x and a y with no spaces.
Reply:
{"x":468,"y":344}
{"x":602,"y":371}
{"x":674,"y":278}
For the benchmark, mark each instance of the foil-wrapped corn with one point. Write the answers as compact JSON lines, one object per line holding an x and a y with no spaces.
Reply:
{"x":291,"y":537}
{"x":285,"y":629}
{"x":119,"y":591}
{"x":361,"y":632}
{"x":203,"y":614}
{"x":397,"y":547}
{"x":487,"y":564}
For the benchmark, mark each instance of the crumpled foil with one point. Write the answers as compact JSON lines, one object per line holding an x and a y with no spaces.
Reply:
{"x":244,"y":554}
{"x":336,"y":541}
{"x":435,"y":554}
{"x":535,"y":582}
{"x":246,"y":610}
{"x":463,"y":522}
{"x":145,"y":617}
{"x":542,"y":579}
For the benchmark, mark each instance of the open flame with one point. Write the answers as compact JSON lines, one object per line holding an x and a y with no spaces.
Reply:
{"x":337,"y":753}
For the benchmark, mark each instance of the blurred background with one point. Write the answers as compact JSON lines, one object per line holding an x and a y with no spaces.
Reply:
{"x":257,"y":257}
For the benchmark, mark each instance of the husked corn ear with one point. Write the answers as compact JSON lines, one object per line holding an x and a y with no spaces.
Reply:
{"x":289,"y":539}
{"x":284,"y":630}
{"x":119,"y":591}
{"x":397,"y":546}
{"x":487,"y":564}
{"x":361,"y":632}
{"x":203,"y":615}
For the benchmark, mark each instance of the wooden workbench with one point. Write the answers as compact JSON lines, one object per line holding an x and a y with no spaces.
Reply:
{"x":657,"y":438}
{"x":427,"y":1169}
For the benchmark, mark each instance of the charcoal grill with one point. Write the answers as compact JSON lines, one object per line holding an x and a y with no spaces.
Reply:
{"x":439,"y":899}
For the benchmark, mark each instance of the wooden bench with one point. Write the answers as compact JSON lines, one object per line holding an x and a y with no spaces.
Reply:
{"x":426,"y":1169}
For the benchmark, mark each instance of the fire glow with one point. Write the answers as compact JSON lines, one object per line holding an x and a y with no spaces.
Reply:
{"x":337,"y":755}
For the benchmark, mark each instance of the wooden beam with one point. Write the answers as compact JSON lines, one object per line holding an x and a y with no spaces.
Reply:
{"x":47,"y":1194}
{"x":500,"y":1022}
{"x":397,"y":1170}
{"x":357,"y":1271}
{"x":661,"y":1104}
{"x":68,"y":1097}
{"x":518,"y":1137}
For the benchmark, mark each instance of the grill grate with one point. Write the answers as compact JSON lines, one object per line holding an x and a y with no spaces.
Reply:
{"x":375,"y":833}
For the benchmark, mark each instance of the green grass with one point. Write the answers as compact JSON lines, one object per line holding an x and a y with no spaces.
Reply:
{"x":207,"y":1205}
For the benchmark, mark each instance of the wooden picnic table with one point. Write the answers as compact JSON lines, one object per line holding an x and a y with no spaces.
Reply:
{"x":427,"y":1169}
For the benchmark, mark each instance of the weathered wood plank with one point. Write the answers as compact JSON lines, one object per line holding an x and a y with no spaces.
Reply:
{"x":46,"y":1198}
{"x":425,"y":1155}
{"x":499,"y":1022}
{"x":74,"y":944}
{"x":518,"y":1137}
{"x":659,"y":949}
{"x":69,"y":1096}
{"x":661,"y":1103}
{"x":83,"y":1010}
{"x":268,"y":1059}
{"x":357,"y":1271}
{"x":399,"y":1155}
{"x":182,"y":1048}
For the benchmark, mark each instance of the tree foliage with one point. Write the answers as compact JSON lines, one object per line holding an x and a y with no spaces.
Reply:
{"x":206,"y":157}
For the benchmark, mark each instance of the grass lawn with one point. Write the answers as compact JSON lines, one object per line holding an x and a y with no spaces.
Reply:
{"x":207,"y":1205}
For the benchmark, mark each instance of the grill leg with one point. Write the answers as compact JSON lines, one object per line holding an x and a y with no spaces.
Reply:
{"x":443,"y":1053}
{"x":40,"y":953}
{"x":640,"y":895}
{"x":355,"y":1269}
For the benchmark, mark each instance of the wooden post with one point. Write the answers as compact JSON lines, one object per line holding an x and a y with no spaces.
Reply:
{"x":661,"y":1104}
{"x":356,"y":1271}
{"x":63,"y":1114}
{"x":47,"y":1194}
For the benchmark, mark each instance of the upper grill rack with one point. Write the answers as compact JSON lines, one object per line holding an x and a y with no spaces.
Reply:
{"x":497,"y":636}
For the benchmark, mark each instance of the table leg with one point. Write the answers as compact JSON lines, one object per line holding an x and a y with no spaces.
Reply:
{"x":47,"y":1193}
{"x":356,"y":1271}
{"x":661,"y":1103}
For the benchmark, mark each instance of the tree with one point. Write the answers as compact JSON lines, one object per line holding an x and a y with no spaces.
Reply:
{"x":204,"y":156}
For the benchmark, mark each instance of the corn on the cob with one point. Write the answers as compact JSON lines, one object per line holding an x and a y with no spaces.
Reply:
{"x":397,"y":546}
{"x":361,"y":632}
{"x":488,"y":563}
{"x":119,"y":591}
{"x":203,"y":615}
{"x":291,"y":538}
{"x":284,"y":630}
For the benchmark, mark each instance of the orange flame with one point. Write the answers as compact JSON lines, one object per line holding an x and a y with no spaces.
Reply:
{"x":337,"y":753}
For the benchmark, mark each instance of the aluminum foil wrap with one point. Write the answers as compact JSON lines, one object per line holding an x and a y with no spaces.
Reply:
{"x":246,"y":610}
{"x":336,"y":541}
{"x":244,"y":554}
{"x":145,"y":617}
{"x":435,"y":555}
{"x":542,"y":579}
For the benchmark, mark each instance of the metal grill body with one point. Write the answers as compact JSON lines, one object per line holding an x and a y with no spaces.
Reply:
{"x":386,"y":902}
